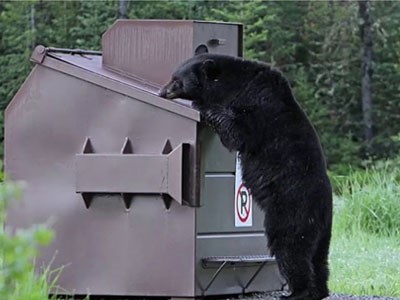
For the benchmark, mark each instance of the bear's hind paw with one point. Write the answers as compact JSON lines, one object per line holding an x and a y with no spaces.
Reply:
{"x":303,"y":295}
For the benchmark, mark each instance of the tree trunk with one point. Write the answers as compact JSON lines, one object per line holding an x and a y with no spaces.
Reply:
{"x":123,"y":5}
{"x":367,"y":68}
{"x":32,"y":25}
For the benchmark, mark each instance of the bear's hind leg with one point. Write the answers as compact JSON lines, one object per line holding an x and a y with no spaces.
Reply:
{"x":320,"y":265}
{"x":295,"y":264}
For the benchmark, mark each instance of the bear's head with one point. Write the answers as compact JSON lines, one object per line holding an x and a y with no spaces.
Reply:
{"x":217,"y":80}
{"x":193,"y":79}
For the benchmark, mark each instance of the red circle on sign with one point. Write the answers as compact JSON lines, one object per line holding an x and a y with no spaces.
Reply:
{"x":247,"y":211}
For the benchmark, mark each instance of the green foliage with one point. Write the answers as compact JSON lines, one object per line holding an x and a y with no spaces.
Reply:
{"x":18,"y":280}
{"x":267,"y":32}
{"x":368,"y":201}
{"x":172,"y":9}
{"x":15,"y":48}
{"x":315,"y":43}
{"x":386,"y":73}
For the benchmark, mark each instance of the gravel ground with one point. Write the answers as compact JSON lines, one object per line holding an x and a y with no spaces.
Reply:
{"x":261,"y":296}
{"x":275,"y":295}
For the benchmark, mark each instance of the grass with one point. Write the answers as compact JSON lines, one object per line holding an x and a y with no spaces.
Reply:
{"x":365,"y":252}
{"x":364,"y":264}
{"x":369,"y":201}
{"x":34,"y":286}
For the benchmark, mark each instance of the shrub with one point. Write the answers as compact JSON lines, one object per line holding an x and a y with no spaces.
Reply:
{"x":18,"y":280}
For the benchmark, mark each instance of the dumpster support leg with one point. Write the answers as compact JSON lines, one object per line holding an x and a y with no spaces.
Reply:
{"x":214,"y":276}
{"x":254,"y":276}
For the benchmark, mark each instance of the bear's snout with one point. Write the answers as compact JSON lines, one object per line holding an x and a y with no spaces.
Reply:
{"x":163,"y":92}
{"x":169,"y":91}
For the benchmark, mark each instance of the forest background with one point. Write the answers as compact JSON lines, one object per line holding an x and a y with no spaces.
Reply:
{"x":319,"y":45}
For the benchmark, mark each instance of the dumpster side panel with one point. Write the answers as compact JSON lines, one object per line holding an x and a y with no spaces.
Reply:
{"x":217,"y":159}
{"x":148,"y":250}
{"x":217,"y":234}
{"x":217,"y":213}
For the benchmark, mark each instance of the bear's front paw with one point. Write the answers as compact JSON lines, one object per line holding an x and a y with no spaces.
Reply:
{"x":213,"y":116}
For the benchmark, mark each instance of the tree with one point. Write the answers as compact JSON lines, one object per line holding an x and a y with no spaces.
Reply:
{"x":366,"y":67}
{"x":123,"y":6}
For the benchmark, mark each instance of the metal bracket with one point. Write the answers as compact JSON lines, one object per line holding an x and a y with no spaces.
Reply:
{"x":254,"y":276}
{"x":38,"y":54}
{"x":126,"y":173}
{"x":214,"y":277}
{"x":244,"y":261}
{"x":73,"y":51}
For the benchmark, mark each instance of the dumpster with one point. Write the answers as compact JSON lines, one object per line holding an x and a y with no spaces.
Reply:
{"x":143,"y":198}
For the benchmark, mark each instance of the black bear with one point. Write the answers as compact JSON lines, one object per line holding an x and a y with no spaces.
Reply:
{"x":252,"y":108}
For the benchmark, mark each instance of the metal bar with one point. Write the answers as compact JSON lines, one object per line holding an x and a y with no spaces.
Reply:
{"x":254,"y":276}
{"x":214,"y":276}
{"x":128,"y":173}
{"x":73,"y":51}
{"x":122,"y":173}
{"x":240,"y":259}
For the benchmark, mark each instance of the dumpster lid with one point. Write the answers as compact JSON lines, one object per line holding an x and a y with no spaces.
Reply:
{"x":152,"y":49}
{"x":87,"y":65}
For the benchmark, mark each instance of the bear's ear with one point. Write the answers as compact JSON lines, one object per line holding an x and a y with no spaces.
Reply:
{"x":210,"y":69}
{"x":201,"y":50}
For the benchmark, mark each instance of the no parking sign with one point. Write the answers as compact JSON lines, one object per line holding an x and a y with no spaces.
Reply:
{"x":243,"y":200}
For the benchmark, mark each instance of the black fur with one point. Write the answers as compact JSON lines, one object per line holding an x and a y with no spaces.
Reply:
{"x":253,"y":110}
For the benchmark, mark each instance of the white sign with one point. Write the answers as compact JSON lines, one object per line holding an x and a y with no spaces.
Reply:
{"x":243,"y":200}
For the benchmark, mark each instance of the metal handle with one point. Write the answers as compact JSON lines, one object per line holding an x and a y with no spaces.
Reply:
{"x":127,"y":173}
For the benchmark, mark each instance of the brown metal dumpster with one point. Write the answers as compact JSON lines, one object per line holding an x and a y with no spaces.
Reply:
{"x":144,"y":199}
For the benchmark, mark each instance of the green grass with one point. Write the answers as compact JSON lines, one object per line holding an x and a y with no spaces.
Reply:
{"x":364,"y":264}
{"x":365,"y":251}
{"x":34,"y":286}
{"x":369,"y":201}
